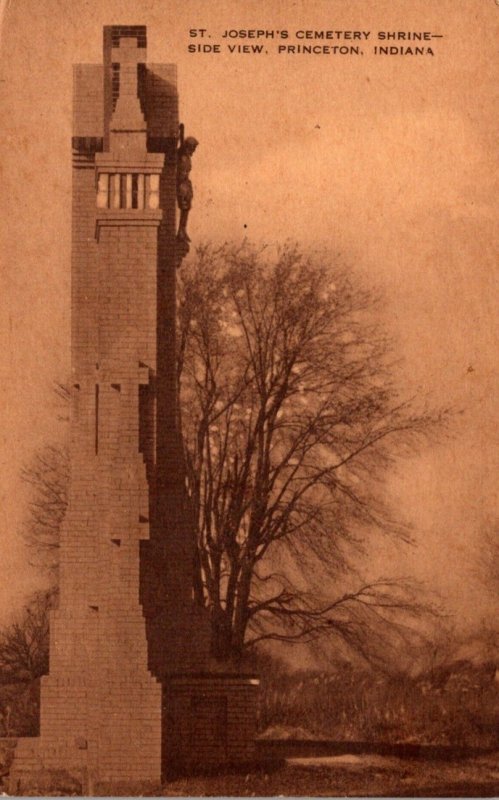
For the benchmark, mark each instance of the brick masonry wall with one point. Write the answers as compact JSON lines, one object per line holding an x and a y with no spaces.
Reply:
{"x":210,"y":720}
{"x":126,"y":622}
{"x":101,"y":706}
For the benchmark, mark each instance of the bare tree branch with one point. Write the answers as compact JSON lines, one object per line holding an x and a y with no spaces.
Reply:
{"x":290,"y":418}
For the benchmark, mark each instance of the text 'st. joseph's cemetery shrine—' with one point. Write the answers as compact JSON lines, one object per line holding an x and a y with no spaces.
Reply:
{"x":130,"y":690}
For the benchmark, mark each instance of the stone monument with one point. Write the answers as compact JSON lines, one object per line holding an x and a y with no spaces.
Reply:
{"x":131,"y":691}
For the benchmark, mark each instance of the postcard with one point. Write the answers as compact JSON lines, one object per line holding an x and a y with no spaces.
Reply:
{"x":249,"y":398}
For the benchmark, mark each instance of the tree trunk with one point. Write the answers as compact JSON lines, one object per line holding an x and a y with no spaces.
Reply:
{"x":241,"y":615}
{"x":221,"y":635}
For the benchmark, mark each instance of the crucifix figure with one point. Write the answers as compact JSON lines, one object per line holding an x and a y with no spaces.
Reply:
{"x":184,"y":185}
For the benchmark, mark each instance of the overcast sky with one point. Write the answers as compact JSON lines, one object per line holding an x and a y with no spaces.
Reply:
{"x":387,"y":161}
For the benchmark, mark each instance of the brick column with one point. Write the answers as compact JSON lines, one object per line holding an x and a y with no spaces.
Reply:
{"x":126,"y":630}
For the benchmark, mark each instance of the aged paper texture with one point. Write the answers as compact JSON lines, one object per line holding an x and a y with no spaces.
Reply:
{"x":366,"y":131}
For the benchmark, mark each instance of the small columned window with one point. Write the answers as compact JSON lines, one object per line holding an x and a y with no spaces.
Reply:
{"x":128,"y":190}
{"x":153,"y":191}
{"x":103,"y":191}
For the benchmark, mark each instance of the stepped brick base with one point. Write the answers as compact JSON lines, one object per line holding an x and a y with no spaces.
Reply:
{"x":209,"y":722}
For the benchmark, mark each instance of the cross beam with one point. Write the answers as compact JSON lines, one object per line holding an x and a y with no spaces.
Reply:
{"x":128,"y":53}
{"x":128,"y":115}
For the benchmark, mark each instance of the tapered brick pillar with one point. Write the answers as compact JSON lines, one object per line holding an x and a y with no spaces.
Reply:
{"x":128,"y":649}
{"x":100,"y":704}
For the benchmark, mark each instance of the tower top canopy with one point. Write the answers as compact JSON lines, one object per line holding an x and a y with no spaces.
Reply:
{"x":114,"y":35}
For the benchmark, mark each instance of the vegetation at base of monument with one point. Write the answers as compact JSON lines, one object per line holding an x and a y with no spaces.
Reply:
{"x":451,"y":701}
{"x":24,"y":643}
{"x":291,"y":418}
{"x":24,"y":658}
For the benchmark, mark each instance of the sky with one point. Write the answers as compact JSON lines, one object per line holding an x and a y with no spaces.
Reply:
{"x":386,"y":161}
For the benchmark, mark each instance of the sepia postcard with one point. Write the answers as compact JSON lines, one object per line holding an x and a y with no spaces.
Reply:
{"x":248,"y":465}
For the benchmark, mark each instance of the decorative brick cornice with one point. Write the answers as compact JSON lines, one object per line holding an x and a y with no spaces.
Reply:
{"x":129,"y":217}
{"x":120,"y":162}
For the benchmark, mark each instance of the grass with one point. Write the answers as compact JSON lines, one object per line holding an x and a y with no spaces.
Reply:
{"x":455,"y":706}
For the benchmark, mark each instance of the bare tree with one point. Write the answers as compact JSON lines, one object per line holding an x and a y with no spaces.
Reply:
{"x":24,"y":645}
{"x":24,"y":658}
{"x":48,"y":476}
{"x":290,"y":418}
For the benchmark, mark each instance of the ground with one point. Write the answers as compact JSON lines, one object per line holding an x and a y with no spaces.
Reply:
{"x":354,"y":776}
{"x":339,"y":776}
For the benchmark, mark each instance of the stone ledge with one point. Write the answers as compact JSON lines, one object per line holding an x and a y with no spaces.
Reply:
{"x":146,"y":162}
{"x":213,"y":677}
{"x":122,"y":218}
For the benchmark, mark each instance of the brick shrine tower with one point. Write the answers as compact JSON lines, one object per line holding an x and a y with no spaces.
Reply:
{"x":130,"y":691}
